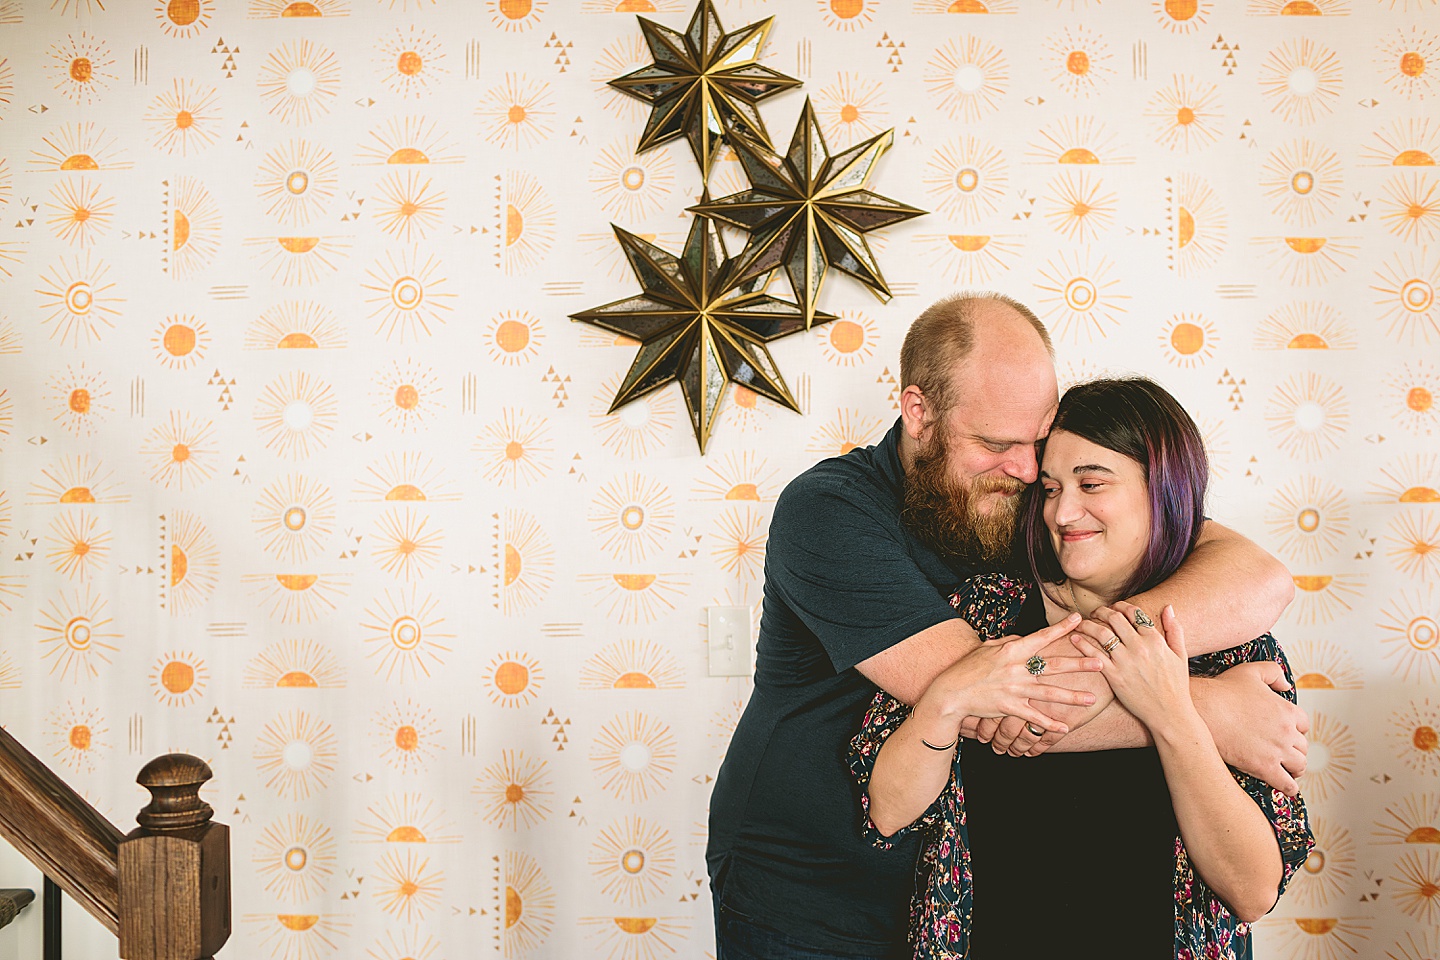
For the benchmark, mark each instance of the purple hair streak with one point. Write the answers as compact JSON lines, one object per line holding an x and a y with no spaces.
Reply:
{"x":1137,"y":418}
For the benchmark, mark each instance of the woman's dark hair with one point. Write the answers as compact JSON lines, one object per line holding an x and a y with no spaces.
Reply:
{"x":1137,"y":418}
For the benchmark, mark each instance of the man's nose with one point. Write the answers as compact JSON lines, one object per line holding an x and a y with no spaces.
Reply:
{"x":1022,"y":466}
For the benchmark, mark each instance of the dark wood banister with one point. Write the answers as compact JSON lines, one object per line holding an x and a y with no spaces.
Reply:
{"x":70,"y":841}
{"x":163,"y":888}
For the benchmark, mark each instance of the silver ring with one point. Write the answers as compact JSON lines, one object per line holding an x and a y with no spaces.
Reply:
{"x":1034,"y":730}
{"x":1035,"y":665}
{"x":1142,"y":619}
{"x":1111,"y":645}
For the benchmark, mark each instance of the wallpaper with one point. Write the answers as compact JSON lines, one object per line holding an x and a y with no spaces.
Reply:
{"x":304,"y":468}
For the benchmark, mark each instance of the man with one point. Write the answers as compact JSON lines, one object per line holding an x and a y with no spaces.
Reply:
{"x":862,"y":550}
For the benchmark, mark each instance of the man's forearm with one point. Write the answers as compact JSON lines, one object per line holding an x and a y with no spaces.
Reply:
{"x":1113,"y":728}
{"x":1227,"y":592}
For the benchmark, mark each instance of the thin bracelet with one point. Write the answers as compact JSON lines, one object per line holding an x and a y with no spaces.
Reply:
{"x":947,"y":746}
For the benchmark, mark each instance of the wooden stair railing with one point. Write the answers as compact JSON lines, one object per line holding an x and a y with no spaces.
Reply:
{"x":163,"y":888}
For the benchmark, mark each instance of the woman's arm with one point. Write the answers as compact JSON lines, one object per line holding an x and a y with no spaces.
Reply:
{"x":1230,"y":841}
{"x":1228,"y":590}
{"x":990,"y":681}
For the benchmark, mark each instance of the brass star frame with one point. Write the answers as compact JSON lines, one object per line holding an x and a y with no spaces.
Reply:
{"x":808,"y":211}
{"x":698,"y":325}
{"x":704,"y":84}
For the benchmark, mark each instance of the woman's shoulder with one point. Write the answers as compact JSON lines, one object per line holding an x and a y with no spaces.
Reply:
{"x":992,"y":602}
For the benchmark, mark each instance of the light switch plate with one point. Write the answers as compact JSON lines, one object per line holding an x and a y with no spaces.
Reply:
{"x":728,"y":632}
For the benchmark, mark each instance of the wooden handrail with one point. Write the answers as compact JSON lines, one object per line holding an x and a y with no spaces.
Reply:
{"x":52,"y":825}
{"x":163,"y":888}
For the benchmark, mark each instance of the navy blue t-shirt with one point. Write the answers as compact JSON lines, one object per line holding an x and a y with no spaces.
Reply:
{"x":843,"y":582}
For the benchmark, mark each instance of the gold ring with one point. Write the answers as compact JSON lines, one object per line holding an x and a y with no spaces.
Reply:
{"x":1034,"y":730}
{"x":1107,"y":647}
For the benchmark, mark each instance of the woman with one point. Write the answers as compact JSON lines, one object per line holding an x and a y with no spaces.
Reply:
{"x":1125,"y":853}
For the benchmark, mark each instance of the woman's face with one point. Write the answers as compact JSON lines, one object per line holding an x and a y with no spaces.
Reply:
{"x":1097,"y":509}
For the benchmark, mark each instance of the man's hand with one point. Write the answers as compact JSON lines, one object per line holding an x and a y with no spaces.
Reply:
{"x":1256,"y":730}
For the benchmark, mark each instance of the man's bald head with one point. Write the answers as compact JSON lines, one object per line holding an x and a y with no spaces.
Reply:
{"x":987,"y":328}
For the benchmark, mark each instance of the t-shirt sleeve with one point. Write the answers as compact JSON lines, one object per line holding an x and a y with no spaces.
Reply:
{"x":845,"y":571}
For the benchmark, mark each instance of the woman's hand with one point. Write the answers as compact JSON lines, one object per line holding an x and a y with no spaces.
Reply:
{"x":999,"y":679}
{"x":1147,"y":668}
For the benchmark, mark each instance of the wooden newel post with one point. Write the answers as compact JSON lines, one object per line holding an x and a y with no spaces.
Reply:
{"x":174,"y":868}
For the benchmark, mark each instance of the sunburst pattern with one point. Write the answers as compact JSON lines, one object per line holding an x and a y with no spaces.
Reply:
{"x":193,"y":224}
{"x":1406,"y":60}
{"x":76,"y":546}
{"x":407,"y":141}
{"x":294,"y":857}
{"x":1303,"y":180}
{"x":299,"y":81}
{"x":295,"y":755}
{"x":1079,"y":295}
{"x":179,"y":678}
{"x":851,"y":109}
{"x":408,"y":60}
{"x":524,"y":223}
{"x":180,"y":341}
{"x":181,"y":451}
{"x":78,"y":299}
{"x":513,"y":337}
{"x":294,"y":517}
{"x":1078,"y":61}
{"x":408,"y":205}
{"x":80,"y":398}
{"x":526,"y":907}
{"x":513,"y":679}
{"x":1405,"y":288}
{"x":406,"y":736}
{"x":966,"y":177}
{"x":633,"y":860}
{"x":1410,"y":479}
{"x":1331,"y":757}
{"x":295,"y":325}
{"x":525,"y":562}
{"x":76,"y":211}
{"x":1410,"y":395}
{"x":409,"y":294}
{"x":296,"y":597}
{"x":1323,"y":665}
{"x":1307,"y":415}
{"x":78,"y":146}
{"x":407,"y":886}
{"x":1185,"y":114}
{"x":192,"y":562}
{"x":297,"y":182}
{"x":1410,"y":208}
{"x":404,"y":818}
{"x":78,"y":736}
{"x":1328,"y":872}
{"x":405,"y":634}
{"x":81,"y":68}
{"x":1308,"y":519}
{"x":78,"y":636}
{"x":185,"y":119}
{"x":1412,"y":544}
{"x":294,"y":665}
{"x":1307,"y":261}
{"x":405,"y":478}
{"x":1312,"y":325}
{"x":631,"y":187}
{"x":1414,"y":735}
{"x":296,"y":414}
{"x":967,"y":78}
{"x":1302,"y":80}
{"x":1410,"y":635}
{"x":514,"y":791}
{"x":518,"y":112}
{"x":632,"y":516}
{"x":633,"y":756}
{"x":632,"y":665}
{"x":1416,"y":819}
{"x":405,"y":544}
{"x":76,"y":480}
{"x":631,"y":598}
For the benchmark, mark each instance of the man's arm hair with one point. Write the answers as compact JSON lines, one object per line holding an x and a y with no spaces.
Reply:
{"x":906,"y":669}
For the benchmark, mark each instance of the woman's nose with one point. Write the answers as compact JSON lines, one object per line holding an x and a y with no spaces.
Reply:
{"x":1067,"y":507}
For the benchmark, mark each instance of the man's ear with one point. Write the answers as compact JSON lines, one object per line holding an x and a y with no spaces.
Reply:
{"x":914,"y":411}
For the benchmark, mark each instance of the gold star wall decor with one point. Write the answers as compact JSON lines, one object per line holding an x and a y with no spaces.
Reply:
{"x":699,"y":325}
{"x":704,"y":84}
{"x":808,"y":211}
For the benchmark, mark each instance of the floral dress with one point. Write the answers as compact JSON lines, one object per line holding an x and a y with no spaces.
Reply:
{"x":942,"y":909}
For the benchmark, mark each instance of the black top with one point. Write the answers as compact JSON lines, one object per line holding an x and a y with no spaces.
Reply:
{"x":1069,"y":840}
{"x":843,"y":582}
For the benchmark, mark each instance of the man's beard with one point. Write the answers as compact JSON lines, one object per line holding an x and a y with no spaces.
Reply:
{"x":943,"y":513}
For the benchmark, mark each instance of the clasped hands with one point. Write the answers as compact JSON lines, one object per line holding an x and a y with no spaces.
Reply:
{"x":1255,"y":730}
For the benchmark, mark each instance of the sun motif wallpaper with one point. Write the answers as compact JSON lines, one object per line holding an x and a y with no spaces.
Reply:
{"x":304,"y":468}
